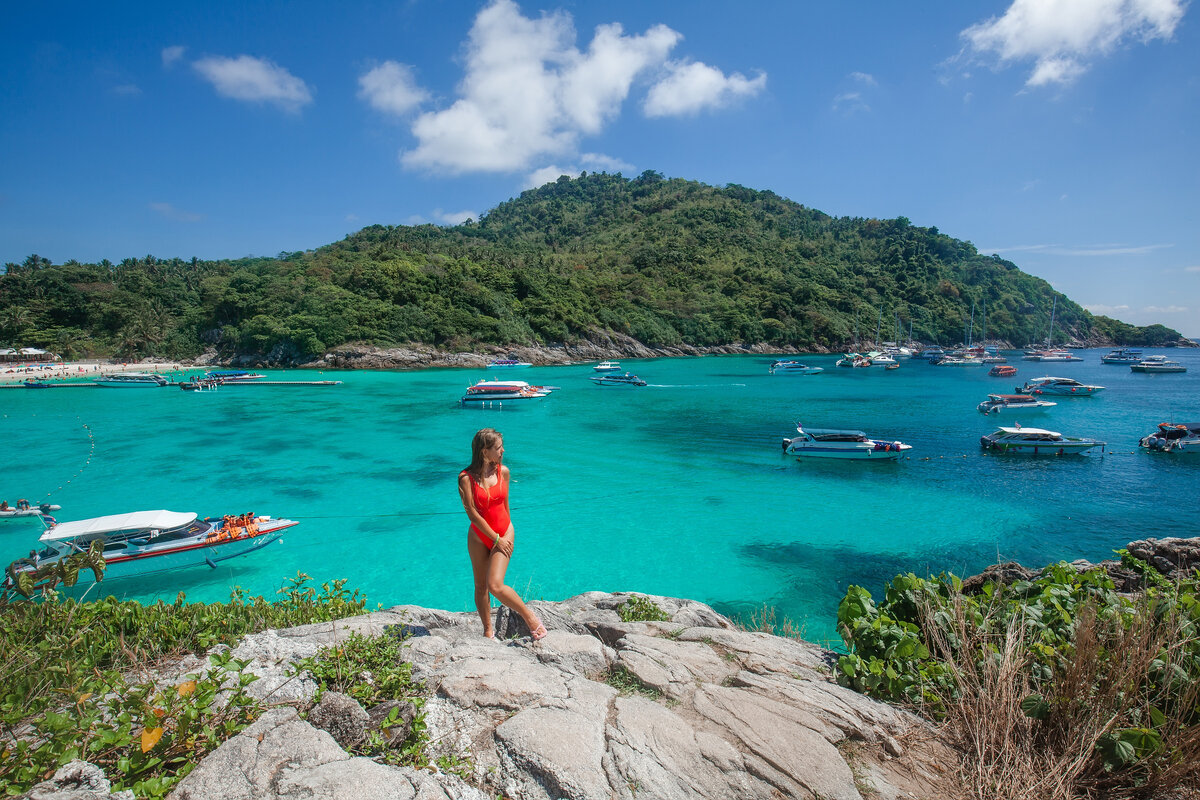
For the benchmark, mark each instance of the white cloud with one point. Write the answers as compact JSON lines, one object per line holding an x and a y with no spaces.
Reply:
{"x":602,"y":163}
{"x":391,"y":88}
{"x":529,"y":94}
{"x":1084,"y":250}
{"x":255,"y":80}
{"x":453,"y":217}
{"x":1192,"y":269}
{"x":1062,"y":36}
{"x":1100,"y":308}
{"x":1165,"y":309}
{"x":864,"y":78}
{"x":691,"y":87}
{"x":540,"y":177}
{"x":170,"y":212}
{"x":172,"y":54}
{"x":597,"y":162}
{"x":849,"y":102}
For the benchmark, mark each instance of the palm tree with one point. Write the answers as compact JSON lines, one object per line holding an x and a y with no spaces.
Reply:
{"x":15,"y":320}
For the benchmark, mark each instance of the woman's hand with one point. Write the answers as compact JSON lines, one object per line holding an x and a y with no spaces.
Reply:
{"x":504,"y":546}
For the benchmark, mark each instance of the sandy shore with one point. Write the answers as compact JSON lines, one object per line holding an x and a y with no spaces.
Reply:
{"x":77,"y":370}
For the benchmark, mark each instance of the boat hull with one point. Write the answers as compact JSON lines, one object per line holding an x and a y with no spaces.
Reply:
{"x":857,"y":451}
{"x":1064,"y":447}
{"x":1140,"y":368}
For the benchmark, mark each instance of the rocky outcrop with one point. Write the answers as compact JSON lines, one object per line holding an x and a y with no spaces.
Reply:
{"x":1174,"y":558}
{"x":77,"y":780}
{"x":687,"y":708}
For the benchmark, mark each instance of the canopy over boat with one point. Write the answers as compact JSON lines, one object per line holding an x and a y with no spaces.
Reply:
{"x":100,"y":526}
{"x":1030,"y":432}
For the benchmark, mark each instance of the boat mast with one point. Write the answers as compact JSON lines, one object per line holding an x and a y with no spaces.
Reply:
{"x":1050,"y":333}
{"x":878,"y":323}
{"x":971,"y":326}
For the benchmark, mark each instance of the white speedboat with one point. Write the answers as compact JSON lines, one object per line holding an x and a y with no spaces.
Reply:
{"x":853,"y":360}
{"x":496,"y":394}
{"x":1123,"y":355}
{"x":147,"y":542}
{"x":844,"y":444}
{"x":24,"y":509}
{"x":132,"y":380}
{"x":618,"y":380}
{"x":1035,"y":441}
{"x":931,"y":353}
{"x":793,"y":368}
{"x":608,"y":366}
{"x":1068,"y":387}
{"x":1157,"y":364}
{"x":879,"y":358}
{"x":1008,"y":403}
{"x":232,"y":376}
{"x":507,"y":363}
{"x":955,"y":361}
{"x":1058,"y":356}
{"x":1170,"y":437}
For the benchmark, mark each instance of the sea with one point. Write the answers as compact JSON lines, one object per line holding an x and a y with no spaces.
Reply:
{"x":678,"y":488}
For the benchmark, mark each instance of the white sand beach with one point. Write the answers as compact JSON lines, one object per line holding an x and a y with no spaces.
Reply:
{"x":77,"y":370}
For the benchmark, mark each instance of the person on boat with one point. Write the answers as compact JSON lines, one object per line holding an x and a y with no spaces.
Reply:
{"x":483,"y":489}
{"x":22,"y":504}
{"x":3,"y":505}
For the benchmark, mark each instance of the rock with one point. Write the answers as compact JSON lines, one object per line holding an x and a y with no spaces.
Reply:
{"x":1005,"y":574}
{"x":341,"y":717}
{"x":690,"y":707}
{"x":398,"y":731}
{"x":78,"y":780}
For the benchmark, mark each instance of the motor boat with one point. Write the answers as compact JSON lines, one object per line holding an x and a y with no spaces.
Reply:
{"x":844,"y":444}
{"x":232,"y":375}
{"x":1157,"y":364}
{"x":489,"y":394}
{"x":1035,"y":441}
{"x":148,"y":542}
{"x":931,"y":353}
{"x":1068,"y":387}
{"x":994,"y":359}
{"x":627,"y":379}
{"x":1006,"y":403}
{"x":1001,"y":371}
{"x":853,"y":360}
{"x":608,"y":366}
{"x":24,"y":509}
{"x":1058,"y":355}
{"x":1173,"y":438}
{"x":793,"y":368}
{"x":507,"y":363}
{"x":1124,"y":355}
{"x":955,"y":361}
{"x":879,"y":358}
{"x":132,"y":380}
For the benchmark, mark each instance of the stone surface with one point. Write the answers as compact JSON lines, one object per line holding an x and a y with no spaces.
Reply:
{"x":341,"y":717}
{"x":78,"y":780}
{"x":690,"y":707}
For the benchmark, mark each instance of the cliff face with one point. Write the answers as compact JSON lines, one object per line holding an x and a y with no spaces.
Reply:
{"x":717,"y":713}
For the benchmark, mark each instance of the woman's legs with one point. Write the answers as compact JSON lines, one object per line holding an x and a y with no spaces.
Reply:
{"x":479,"y":569}
{"x":497,"y":566}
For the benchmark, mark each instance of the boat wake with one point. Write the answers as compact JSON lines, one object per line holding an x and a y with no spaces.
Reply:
{"x":691,"y":385}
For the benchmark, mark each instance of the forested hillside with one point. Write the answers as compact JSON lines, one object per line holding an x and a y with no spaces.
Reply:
{"x":665,"y":261}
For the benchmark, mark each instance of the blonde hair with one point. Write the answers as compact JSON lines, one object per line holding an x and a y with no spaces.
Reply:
{"x":483,"y":439}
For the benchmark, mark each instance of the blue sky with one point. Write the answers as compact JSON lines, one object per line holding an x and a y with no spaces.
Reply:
{"x":1061,"y":134}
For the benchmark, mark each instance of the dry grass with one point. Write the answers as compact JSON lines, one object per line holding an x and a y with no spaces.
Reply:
{"x":1101,"y":683}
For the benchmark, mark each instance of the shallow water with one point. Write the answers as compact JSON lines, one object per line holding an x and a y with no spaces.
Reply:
{"x":679,"y":488}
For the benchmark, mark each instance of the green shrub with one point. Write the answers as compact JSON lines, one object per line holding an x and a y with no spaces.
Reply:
{"x":641,"y":609}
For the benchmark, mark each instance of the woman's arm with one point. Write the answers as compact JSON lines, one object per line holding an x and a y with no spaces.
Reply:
{"x":468,"y":501}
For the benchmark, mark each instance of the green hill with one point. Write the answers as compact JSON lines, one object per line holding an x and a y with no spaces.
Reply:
{"x":666,"y":262}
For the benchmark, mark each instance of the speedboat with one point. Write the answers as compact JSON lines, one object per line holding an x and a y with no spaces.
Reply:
{"x":955,"y":361}
{"x":1001,"y":371}
{"x":132,"y":380}
{"x":232,"y":375}
{"x":1035,"y":441}
{"x":1157,"y":364}
{"x":994,"y":359}
{"x":997,"y":403}
{"x":1059,"y":355}
{"x":1065,"y":386}
{"x":147,"y":542}
{"x":489,"y":394}
{"x":608,"y":366}
{"x":618,"y":380}
{"x":24,"y":509}
{"x":825,"y":443}
{"x":1123,"y":355}
{"x":1173,"y":438}
{"x":507,"y":363}
{"x":793,"y":368}
{"x":853,"y":360}
{"x":880,"y":359}
{"x":931,"y":353}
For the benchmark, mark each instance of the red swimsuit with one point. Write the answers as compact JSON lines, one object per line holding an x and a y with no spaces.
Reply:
{"x":492,"y":505}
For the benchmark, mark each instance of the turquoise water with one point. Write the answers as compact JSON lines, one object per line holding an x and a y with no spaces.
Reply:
{"x":679,"y":488}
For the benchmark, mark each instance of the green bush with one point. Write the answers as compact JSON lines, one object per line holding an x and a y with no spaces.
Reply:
{"x":641,"y":609}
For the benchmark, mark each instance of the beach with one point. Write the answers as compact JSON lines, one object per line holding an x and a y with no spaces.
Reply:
{"x":77,"y":370}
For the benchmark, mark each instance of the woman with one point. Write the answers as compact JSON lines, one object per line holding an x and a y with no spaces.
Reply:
{"x":483,"y":487}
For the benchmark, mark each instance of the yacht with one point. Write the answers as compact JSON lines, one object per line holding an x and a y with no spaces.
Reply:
{"x":1124,"y":355}
{"x":931,"y":353}
{"x":792,"y":368}
{"x":1157,"y":364}
{"x":843,"y":444}
{"x":495,"y":394}
{"x":608,"y":366}
{"x":618,"y":380}
{"x":879,"y":358}
{"x":1008,"y":403}
{"x":132,"y":380}
{"x":1058,"y":356}
{"x":147,"y":542}
{"x":1035,"y":441}
{"x":1173,"y":438}
{"x":1065,"y":386}
{"x":507,"y":363}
